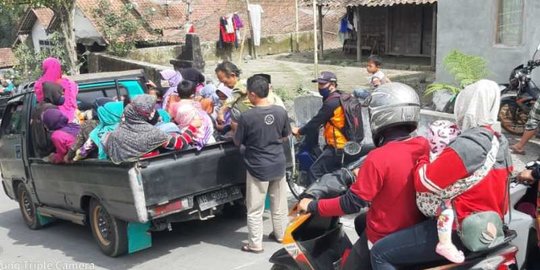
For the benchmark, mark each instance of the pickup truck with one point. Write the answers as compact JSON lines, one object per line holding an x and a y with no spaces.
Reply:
{"x":121,"y":203}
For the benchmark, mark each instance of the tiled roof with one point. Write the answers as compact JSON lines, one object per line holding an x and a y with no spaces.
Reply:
{"x":88,"y":7}
{"x":369,"y":3}
{"x":8,"y":58}
{"x":42,"y":15}
{"x":161,"y":16}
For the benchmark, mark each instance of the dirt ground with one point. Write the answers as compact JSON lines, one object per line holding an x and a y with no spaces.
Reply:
{"x":292,"y":73}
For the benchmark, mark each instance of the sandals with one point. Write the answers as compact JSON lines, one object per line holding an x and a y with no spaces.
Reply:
{"x":516,"y":151}
{"x":247,"y":248}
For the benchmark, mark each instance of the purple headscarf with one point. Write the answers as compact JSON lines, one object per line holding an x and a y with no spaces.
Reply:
{"x":54,"y":119}
{"x":174,"y":78}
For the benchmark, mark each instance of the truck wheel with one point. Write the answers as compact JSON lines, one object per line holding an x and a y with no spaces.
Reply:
{"x":28,"y":208}
{"x":110,"y":233}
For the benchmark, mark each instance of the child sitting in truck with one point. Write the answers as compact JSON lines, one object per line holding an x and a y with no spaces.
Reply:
{"x":188,"y":109}
{"x":64,"y":133}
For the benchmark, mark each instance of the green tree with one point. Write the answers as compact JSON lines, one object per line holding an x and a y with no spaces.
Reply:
{"x":64,"y":12}
{"x":8,"y":24}
{"x":120,"y":33}
{"x":28,"y":66}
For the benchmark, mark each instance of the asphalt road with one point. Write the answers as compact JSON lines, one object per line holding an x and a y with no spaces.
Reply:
{"x":211,"y":244}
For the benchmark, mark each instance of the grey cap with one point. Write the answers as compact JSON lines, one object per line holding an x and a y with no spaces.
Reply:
{"x":325,"y":77}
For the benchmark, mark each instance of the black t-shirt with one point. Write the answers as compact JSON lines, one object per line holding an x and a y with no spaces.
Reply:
{"x":261,"y":130}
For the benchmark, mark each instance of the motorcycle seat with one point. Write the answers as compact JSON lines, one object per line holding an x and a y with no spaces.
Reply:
{"x":469,"y":256}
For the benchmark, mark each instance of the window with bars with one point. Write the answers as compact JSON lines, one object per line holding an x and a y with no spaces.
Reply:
{"x":510,"y":22}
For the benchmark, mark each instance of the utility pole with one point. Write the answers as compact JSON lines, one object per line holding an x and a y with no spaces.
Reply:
{"x":251,"y":30}
{"x":315,"y":43}
{"x":297,"y":47}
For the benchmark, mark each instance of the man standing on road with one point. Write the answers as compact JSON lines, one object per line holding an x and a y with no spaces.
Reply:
{"x":262,"y":131}
{"x":332,"y":116}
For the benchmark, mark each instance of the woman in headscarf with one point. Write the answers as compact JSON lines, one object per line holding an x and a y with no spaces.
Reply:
{"x":187,"y":110}
{"x":90,"y":123}
{"x":108,"y":115}
{"x":135,"y":137}
{"x":170,"y":79}
{"x":41,"y":138}
{"x":63,"y":134}
{"x":195,"y":76}
{"x":479,"y":151}
{"x":52,"y":72}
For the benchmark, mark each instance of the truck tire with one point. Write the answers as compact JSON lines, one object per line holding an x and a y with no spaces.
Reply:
{"x":28,"y":208}
{"x":109,"y":232}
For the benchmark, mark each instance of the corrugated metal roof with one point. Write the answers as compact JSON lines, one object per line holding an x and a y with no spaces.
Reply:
{"x":369,"y":3}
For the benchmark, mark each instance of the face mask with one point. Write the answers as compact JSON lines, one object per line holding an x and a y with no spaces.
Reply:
{"x":60,"y":101}
{"x":325,"y":92}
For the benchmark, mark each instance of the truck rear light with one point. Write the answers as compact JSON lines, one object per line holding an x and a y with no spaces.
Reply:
{"x":171,"y":207}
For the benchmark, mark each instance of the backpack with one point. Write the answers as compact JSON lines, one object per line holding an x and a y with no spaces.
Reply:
{"x":352,"y":108}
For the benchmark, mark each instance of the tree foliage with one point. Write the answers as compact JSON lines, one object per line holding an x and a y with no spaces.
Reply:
{"x":64,"y":12}
{"x":119,"y":31}
{"x":466,"y":69}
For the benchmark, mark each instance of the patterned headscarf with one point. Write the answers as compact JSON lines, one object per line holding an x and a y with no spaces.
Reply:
{"x":186,"y":111}
{"x":135,"y":136}
{"x":441,"y":134}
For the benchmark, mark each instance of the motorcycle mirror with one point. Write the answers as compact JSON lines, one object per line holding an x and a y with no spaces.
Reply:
{"x":352,"y":148}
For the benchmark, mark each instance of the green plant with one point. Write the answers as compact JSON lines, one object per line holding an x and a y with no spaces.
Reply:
{"x":466,"y":69}
{"x":119,"y":31}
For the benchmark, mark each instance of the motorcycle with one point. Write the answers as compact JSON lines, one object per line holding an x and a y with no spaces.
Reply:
{"x":518,"y":97}
{"x":306,"y":150}
{"x":312,"y":242}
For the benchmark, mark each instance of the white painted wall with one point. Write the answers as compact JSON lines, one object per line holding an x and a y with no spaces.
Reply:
{"x":84,"y":30}
{"x":38,"y":33}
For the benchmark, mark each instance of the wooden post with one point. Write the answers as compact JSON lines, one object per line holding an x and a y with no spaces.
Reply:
{"x":296,"y":28}
{"x":315,"y":43}
{"x":387,"y":31}
{"x":358,"y":35}
{"x":434,"y":38}
{"x":321,"y":32}
{"x":251,"y":31}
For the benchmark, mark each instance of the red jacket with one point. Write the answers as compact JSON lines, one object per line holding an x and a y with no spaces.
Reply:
{"x":459,"y":160}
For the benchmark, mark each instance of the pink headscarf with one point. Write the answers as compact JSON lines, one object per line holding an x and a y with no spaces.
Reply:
{"x":184,"y":112}
{"x":52,"y":72}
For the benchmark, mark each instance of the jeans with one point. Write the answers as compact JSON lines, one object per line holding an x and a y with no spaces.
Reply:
{"x":414,"y":245}
{"x":359,"y":258}
{"x":327,"y":162}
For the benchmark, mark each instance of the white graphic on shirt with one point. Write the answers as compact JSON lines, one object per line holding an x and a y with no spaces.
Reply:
{"x":269,"y":119}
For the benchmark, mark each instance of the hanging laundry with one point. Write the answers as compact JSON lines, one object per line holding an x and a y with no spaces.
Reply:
{"x":255,"y":12}
{"x":230,"y":25}
{"x":237,"y":21}
{"x":225,"y":36}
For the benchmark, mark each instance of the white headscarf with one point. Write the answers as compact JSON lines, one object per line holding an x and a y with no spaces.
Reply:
{"x":478,"y":105}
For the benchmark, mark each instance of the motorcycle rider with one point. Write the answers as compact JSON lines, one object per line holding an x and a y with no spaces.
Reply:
{"x":332,"y":116}
{"x":385,"y":181}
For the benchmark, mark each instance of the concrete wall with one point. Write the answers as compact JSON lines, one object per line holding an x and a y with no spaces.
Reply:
{"x":38,"y":33}
{"x":282,"y":43}
{"x":470,"y":26}
{"x":100,"y":62}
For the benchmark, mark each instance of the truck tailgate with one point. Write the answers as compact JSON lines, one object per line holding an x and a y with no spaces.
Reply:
{"x":175,"y":175}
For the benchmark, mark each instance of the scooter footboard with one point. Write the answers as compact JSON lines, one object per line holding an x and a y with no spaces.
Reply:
{"x":326,"y":251}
